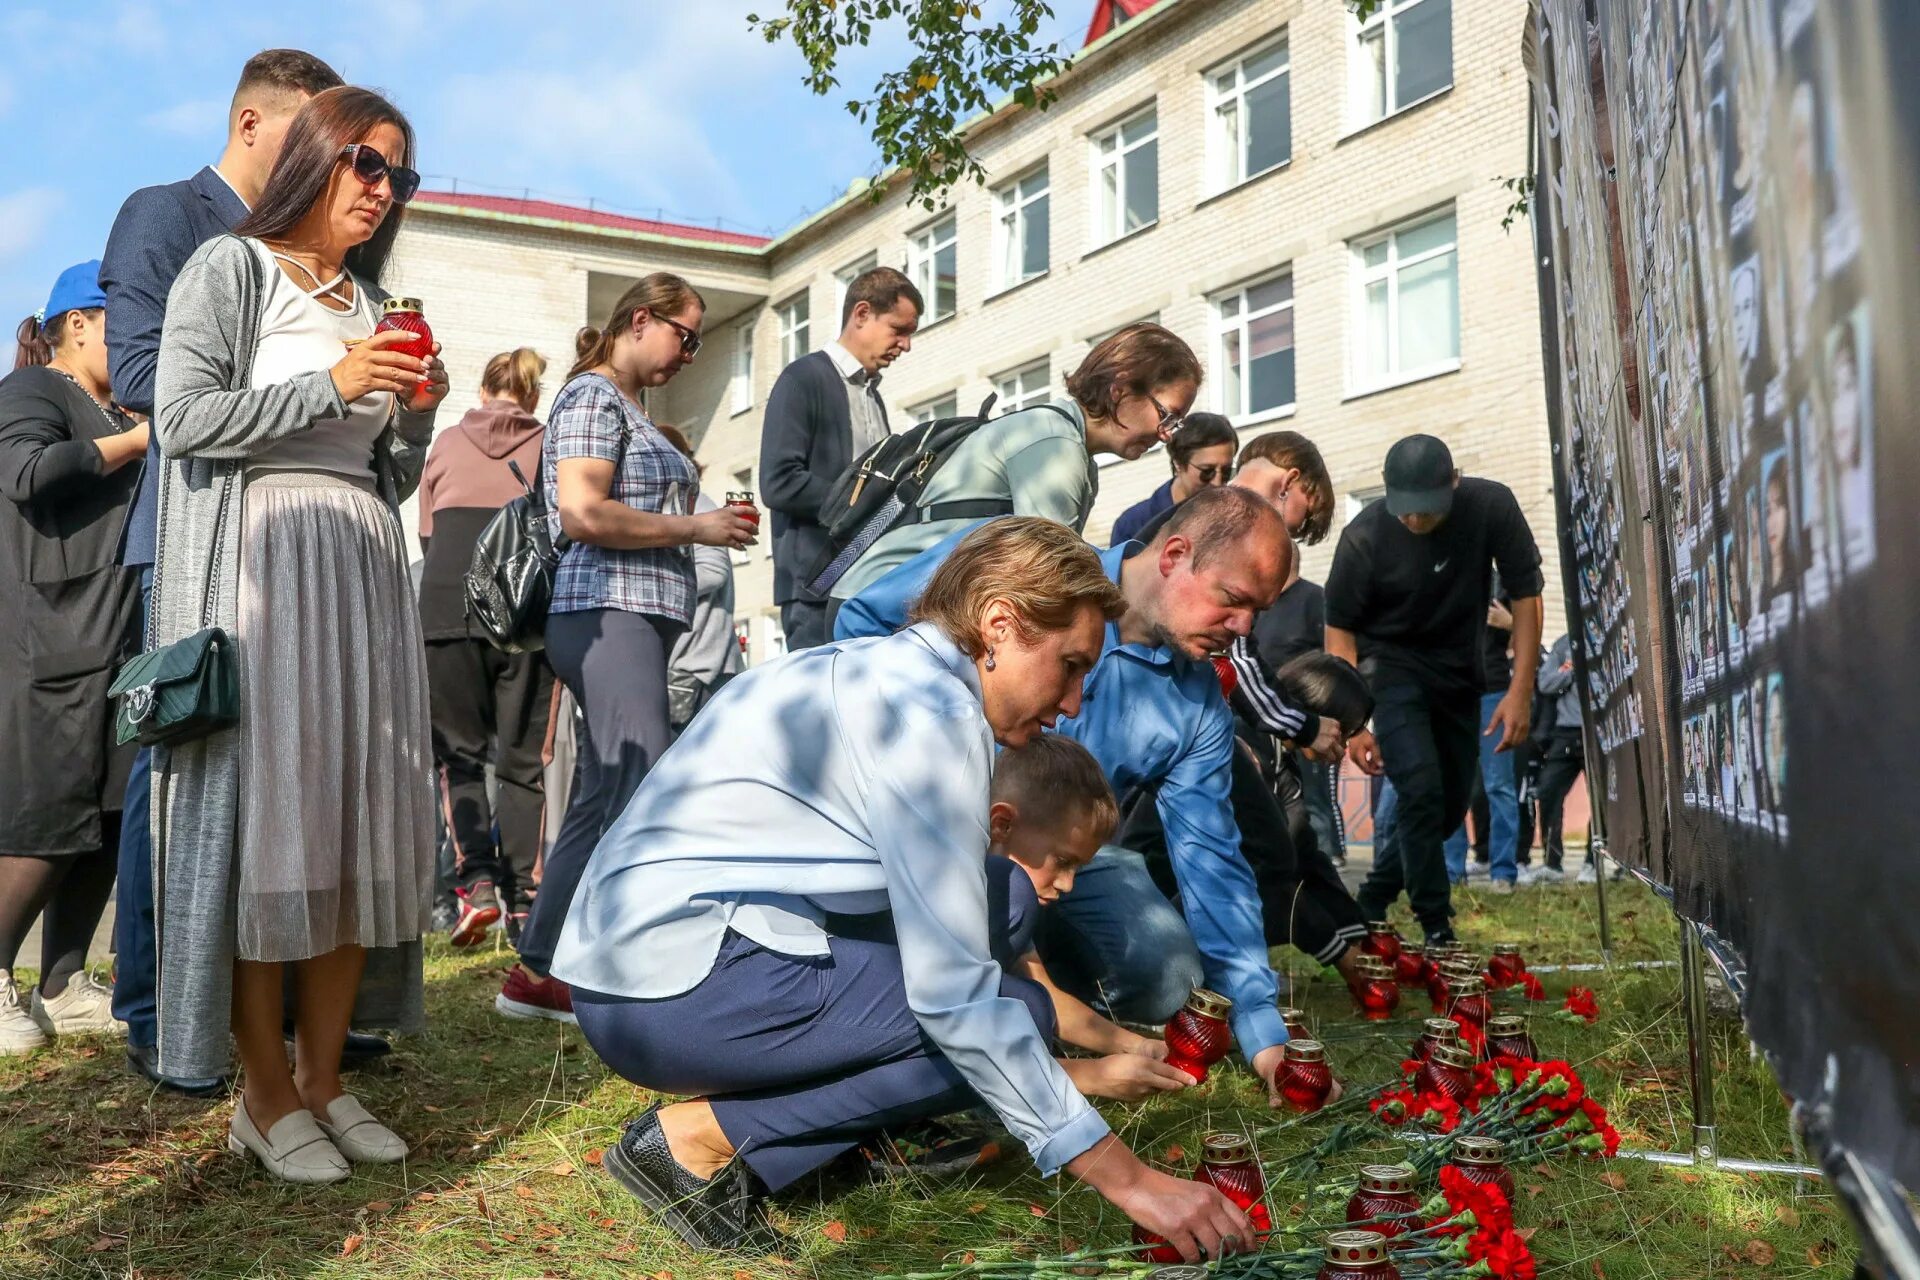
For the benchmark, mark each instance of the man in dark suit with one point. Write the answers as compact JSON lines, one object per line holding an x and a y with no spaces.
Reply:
{"x":825,"y":411}
{"x":157,"y":230}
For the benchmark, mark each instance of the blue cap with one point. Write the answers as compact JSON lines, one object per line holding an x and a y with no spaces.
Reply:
{"x":78,"y":286}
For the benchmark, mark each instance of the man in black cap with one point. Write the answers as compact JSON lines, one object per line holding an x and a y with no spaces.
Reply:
{"x":1407,"y":603}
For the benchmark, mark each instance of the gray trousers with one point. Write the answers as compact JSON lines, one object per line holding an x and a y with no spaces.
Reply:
{"x":615,"y":665}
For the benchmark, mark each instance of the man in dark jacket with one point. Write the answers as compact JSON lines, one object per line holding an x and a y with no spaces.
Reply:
{"x":825,"y":411}
{"x":157,"y":230}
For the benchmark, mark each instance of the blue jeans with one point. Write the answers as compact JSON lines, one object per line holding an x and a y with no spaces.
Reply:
{"x":1117,"y":943}
{"x":136,"y":962}
{"x":1503,"y":808}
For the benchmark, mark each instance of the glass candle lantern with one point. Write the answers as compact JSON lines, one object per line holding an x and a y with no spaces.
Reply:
{"x":1467,"y":1002}
{"x":1382,"y":940}
{"x":1434,"y":1031}
{"x":1411,"y":965}
{"x":1296,"y":1024}
{"x":1227,"y":1161}
{"x":1507,"y":1037}
{"x":1505,"y":965}
{"x":1357,"y":1255}
{"x":1197,"y":1036}
{"x":1484,"y":1160}
{"x":1305,"y":1078}
{"x":1385,"y":1191}
{"x":1375,"y":991}
{"x":404,"y":315}
{"x":1447,"y":1070}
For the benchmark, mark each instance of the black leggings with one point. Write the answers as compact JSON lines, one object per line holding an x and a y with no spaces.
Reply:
{"x":68,"y":895}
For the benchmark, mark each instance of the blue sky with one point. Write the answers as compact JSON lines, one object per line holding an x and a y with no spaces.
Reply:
{"x":640,"y":104}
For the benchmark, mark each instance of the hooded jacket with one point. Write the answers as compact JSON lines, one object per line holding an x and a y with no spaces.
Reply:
{"x":466,"y":481}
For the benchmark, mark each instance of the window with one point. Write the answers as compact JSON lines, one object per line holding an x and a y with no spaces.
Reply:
{"x":933,"y":266}
{"x":947,"y":406}
{"x":1126,"y":182}
{"x":843,"y":280}
{"x":795,"y":329}
{"x":1253,"y":347}
{"x":1024,"y":387}
{"x":1401,"y":54}
{"x":1020,"y":230}
{"x":742,"y":479}
{"x":1407,"y":302}
{"x":742,"y":382}
{"x":1250,"y":126}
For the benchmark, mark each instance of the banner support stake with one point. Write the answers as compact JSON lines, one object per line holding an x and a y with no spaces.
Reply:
{"x":1693,"y":998}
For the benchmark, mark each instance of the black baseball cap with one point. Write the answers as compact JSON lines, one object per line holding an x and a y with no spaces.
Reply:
{"x":1419,"y":475}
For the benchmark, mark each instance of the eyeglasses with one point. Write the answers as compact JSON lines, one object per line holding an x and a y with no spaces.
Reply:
{"x":1170,"y":421}
{"x":1207,"y":473}
{"x":370,"y":166}
{"x":689,"y":340}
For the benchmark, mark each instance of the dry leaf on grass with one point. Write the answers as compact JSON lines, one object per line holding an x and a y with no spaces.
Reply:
{"x":522,"y":1190}
{"x":564,"y":1169}
{"x":1036,"y":1211}
{"x":379,"y":1206}
{"x":1759,"y":1253}
{"x":351,"y":1245}
{"x":1600,"y":1272}
{"x":835,"y":1231}
{"x":1174,"y":1153}
{"x":430,"y":1109}
{"x":1533,"y":1188}
{"x":976,"y":1208}
{"x":480,"y":1203}
{"x":609,"y":1223}
{"x":594,"y":1156}
{"x":1787,"y":1216}
{"x":1691,"y":1179}
{"x":103,"y":1244}
{"x":969,"y":1259}
{"x":1614,"y":1180}
{"x":1815,"y":1258}
{"x":1525,"y":1233}
{"x":1547,"y":1171}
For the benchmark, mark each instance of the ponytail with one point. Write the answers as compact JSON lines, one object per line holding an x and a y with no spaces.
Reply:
{"x":516,"y":375}
{"x":33,"y":348}
{"x":662,"y":293}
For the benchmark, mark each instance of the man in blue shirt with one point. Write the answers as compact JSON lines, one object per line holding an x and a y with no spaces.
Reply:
{"x":1152,"y":713}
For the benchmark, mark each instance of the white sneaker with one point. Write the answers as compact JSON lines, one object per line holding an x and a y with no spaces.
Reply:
{"x":1542,"y":874}
{"x":1586,"y":875}
{"x":358,"y":1136}
{"x":85,"y":1007}
{"x":294,"y":1150}
{"x":1500,"y":888}
{"x":19,"y":1033}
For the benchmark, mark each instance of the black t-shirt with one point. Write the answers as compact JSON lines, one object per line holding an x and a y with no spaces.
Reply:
{"x":1418,"y":603}
{"x":1294,"y":624}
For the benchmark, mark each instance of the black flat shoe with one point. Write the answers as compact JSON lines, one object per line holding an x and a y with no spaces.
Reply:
{"x":720,"y":1213}
{"x":142,"y":1059}
{"x":360,"y":1049}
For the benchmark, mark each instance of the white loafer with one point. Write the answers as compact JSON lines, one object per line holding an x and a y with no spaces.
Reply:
{"x":358,"y":1136}
{"x":294,"y":1150}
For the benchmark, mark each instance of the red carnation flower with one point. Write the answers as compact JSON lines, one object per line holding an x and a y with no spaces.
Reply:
{"x":1581,"y":1003}
{"x":1531,"y":985}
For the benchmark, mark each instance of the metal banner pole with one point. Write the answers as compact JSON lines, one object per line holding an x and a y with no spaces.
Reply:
{"x":1597,"y":850}
{"x":1693,"y":999}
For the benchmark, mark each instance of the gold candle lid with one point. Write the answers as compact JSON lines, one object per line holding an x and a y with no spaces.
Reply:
{"x":1479,"y":1149}
{"x":1226,"y":1148}
{"x":1381,"y":926}
{"x":1506,"y":948}
{"x":1305,"y":1051}
{"x":1507,"y":1024}
{"x":1444,"y":1030}
{"x":1374,"y":967}
{"x":392,"y":305}
{"x":1363,"y":1247}
{"x":1470,"y":985}
{"x":1451,"y":1055}
{"x":1461,"y":965}
{"x":1209,"y":1004}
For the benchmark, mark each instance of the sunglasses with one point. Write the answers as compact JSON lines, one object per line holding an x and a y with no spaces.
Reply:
{"x":689,"y":340}
{"x":1207,"y":473}
{"x":370,"y":166}
{"x":1170,"y":421}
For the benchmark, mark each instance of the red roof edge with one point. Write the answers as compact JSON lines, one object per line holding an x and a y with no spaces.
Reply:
{"x":574,"y":215}
{"x":1103,"y":16}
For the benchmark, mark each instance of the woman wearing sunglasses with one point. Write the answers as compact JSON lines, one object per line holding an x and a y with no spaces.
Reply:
{"x":1201,"y":454}
{"x":625,"y":590}
{"x":1132,"y":391}
{"x":301,"y":838}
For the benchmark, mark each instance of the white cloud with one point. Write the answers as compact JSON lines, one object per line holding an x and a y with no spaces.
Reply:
{"x":201,"y":118}
{"x":24,"y":216}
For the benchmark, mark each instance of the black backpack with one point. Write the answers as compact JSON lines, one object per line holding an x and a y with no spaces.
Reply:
{"x":881,"y":492}
{"x":510,"y":581}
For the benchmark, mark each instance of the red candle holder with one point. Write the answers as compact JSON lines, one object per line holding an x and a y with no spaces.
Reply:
{"x":1505,"y":966}
{"x":1447,"y":1070}
{"x":1227,"y":1162}
{"x":1386,"y":1191}
{"x":404,"y":315}
{"x":1467,"y":1002}
{"x":1382,"y":940}
{"x":1437,"y":988}
{"x":1484,"y":1160}
{"x":1305,"y":1079}
{"x":1197,"y":1036}
{"x":1295,"y":1021}
{"x":1411,"y":966}
{"x":741,"y":500}
{"x":1374,"y":990}
{"x":1507,"y":1037}
{"x":1434,"y":1031}
{"x":1357,"y":1255}
{"x":1154,"y":1248}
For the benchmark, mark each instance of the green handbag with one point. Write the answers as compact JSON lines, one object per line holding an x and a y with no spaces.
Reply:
{"x":186,"y":690}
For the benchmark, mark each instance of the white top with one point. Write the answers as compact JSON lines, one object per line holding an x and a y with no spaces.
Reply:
{"x":299,"y":334}
{"x":866,"y":415}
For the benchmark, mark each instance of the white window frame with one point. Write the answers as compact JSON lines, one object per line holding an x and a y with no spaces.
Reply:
{"x":1359,"y":382}
{"x":946,"y":406}
{"x":1105,"y":234}
{"x":1015,"y":389}
{"x":1226,"y":171}
{"x":740,"y":369}
{"x":1010,"y":228}
{"x":1361,"y":102}
{"x":843,"y":280}
{"x":796,"y":332}
{"x":1239,"y":324}
{"x":923,"y":256}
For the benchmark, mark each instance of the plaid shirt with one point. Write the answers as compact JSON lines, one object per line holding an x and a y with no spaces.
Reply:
{"x":591,"y":419}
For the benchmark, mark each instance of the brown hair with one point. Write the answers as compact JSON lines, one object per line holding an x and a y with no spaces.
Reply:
{"x":1202,"y":431}
{"x":514,"y":374}
{"x":329,"y":123}
{"x":678,"y":439}
{"x":1044,"y":570}
{"x":37,"y":340}
{"x":880,"y":288}
{"x":285,"y":72}
{"x":1054,"y":779}
{"x":662,"y":293}
{"x":1131,"y":362}
{"x":1290,"y":449}
{"x":1217,"y":520}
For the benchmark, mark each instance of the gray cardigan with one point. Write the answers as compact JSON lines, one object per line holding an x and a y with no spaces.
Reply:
{"x":208,"y":421}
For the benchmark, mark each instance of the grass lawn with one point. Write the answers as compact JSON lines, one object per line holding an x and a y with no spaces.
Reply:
{"x":101,"y":1177}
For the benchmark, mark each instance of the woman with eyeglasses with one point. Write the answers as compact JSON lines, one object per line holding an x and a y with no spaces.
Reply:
{"x":1201,"y":454}
{"x":625,"y":498}
{"x":1131,"y":392}
{"x":295,"y":849}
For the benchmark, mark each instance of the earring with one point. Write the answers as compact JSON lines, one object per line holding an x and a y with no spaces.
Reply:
{"x":989,"y":657}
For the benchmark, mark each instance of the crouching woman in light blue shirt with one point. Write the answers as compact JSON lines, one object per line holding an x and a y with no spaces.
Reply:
{"x":790,"y":921}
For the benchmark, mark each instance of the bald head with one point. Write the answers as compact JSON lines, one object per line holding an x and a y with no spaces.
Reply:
{"x":1221,"y":557}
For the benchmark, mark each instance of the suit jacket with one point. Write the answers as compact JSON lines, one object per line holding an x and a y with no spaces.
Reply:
{"x":806,"y":442}
{"x":157,"y":230}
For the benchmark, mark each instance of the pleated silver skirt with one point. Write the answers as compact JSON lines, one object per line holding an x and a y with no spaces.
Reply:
{"x":336,"y":795}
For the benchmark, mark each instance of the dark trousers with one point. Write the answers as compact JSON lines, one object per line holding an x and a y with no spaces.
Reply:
{"x":801,"y":1057}
{"x":1319,"y":785}
{"x":1429,"y":742}
{"x":136,"y":963}
{"x":615,"y":664}
{"x":805,"y":624}
{"x":492,"y":708}
{"x":1560,"y":768}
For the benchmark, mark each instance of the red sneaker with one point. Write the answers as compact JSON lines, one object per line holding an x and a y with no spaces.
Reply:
{"x":524,"y":996}
{"x":479,"y":912}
